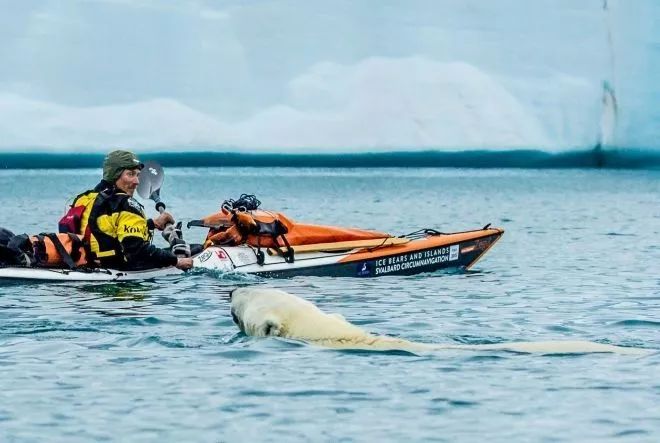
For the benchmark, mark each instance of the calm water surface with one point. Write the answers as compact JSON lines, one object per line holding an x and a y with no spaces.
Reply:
{"x":162,"y":360}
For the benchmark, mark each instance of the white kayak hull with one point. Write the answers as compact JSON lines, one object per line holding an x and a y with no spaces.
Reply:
{"x":44,"y":274}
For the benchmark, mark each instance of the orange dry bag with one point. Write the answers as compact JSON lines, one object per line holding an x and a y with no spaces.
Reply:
{"x":59,"y":250}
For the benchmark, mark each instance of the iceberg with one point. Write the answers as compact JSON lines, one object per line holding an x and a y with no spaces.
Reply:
{"x":331,"y":77}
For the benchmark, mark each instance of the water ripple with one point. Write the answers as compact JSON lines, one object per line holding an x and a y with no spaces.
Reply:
{"x":163,"y":360}
{"x":638,"y":323}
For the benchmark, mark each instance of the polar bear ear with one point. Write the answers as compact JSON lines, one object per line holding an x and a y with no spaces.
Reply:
{"x":272,"y":329}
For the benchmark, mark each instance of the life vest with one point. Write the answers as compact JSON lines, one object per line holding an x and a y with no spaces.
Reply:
{"x":115,"y":215}
{"x":76,"y":220}
{"x":46,"y":250}
{"x":238,"y":227}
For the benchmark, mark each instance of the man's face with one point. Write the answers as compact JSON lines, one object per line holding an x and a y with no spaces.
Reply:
{"x":128,"y":181}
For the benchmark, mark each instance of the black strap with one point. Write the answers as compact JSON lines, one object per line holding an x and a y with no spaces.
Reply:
{"x":261,"y":257}
{"x":288,"y":255}
{"x":40,"y":254}
{"x":77,"y":246}
{"x":274,"y":228}
{"x":107,"y":202}
{"x":59,"y":247}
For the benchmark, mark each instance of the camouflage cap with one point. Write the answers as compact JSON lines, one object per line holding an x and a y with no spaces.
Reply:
{"x":115,"y":163}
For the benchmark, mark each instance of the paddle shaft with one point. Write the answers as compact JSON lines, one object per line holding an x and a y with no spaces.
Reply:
{"x":155,"y":196}
{"x":160,"y":207}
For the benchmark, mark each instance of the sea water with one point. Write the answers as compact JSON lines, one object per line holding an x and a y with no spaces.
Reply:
{"x":162,"y":361}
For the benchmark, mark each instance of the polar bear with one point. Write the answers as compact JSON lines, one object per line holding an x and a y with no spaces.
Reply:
{"x":264,"y":312}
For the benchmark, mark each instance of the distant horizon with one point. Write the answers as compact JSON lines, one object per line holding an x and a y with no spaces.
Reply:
{"x":616,"y":158}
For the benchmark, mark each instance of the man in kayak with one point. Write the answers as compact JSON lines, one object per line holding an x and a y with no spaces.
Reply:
{"x":113,"y":223}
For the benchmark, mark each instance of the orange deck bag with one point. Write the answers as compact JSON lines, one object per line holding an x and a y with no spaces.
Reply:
{"x":59,"y":250}
{"x":232,"y":230}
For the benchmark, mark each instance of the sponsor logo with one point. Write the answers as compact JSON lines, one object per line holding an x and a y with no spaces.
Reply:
{"x":204,"y":256}
{"x":363,"y":269}
{"x":453,"y":252}
{"x":135,"y":230}
{"x":413,"y":260}
{"x":245,"y":258}
{"x":134,"y":204}
{"x":221,"y":254}
{"x":153,"y":171}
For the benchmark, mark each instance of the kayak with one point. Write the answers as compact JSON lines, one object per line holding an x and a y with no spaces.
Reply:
{"x":428,"y":252}
{"x":423,"y":251}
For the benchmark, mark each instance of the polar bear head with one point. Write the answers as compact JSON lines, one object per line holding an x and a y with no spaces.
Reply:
{"x":260,"y":311}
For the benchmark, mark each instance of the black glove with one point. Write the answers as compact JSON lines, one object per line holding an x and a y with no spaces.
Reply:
{"x":181,"y":250}
{"x":173,"y":233}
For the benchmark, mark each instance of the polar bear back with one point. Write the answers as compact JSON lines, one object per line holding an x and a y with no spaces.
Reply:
{"x":263,"y":311}
{"x":290,"y":317}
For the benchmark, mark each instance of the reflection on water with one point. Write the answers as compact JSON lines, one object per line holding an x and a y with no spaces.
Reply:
{"x":116,"y":291}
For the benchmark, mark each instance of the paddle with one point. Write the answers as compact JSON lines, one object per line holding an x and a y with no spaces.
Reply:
{"x":151,"y":180}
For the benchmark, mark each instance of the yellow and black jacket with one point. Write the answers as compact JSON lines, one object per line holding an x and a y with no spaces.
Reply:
{"x":118,"y":231}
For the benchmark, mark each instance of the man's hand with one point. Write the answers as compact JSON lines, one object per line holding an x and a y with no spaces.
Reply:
{"x":163,"y":220}
{"x":184,"y":263}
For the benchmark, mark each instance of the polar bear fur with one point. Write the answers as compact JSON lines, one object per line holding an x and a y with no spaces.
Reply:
{"x":264,"y":312}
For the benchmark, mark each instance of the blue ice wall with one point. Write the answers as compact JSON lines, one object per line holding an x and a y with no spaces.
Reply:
{"x":329,"y":76}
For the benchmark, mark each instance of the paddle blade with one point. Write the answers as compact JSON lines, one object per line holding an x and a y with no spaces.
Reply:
{"x":151,"y":179}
